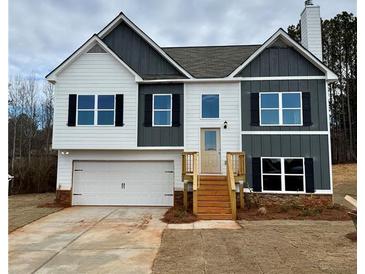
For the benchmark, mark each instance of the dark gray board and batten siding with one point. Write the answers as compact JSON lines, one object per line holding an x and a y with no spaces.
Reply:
{"x":307,"y":146}
{"x":279,"y":61}
{"x":316,"y":88}
{"x":139,"y":55}
{"x":160,"y":136}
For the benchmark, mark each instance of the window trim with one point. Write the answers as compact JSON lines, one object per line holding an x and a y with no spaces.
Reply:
{"x":162,"y":109}
{"x":95,"y":110}
{"x":281,"y":108}
{"x":282,"y":175}
{"x":219,"y":106}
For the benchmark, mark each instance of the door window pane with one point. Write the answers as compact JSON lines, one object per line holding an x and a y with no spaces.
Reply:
{"x":272,"y":182}
{"x":162,"y":102}
{"x":291,"y":117}
{"x":210,"y":140}
{"x":210,"y":106}
{"x":269,"y":117}
{"x":105,"y":102}
{"x":293,"y":166}
{"x":85,"y":117}
{"x":291,"y":100}
{"x":162,"y":118}
{"x":269,"y":100}
{"x":105,"y":117}
{"x":294,"y":183}
{"x":271,"y":166}
{"x":86,"y":102}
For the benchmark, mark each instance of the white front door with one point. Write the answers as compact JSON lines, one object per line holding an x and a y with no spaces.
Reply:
{"x":210,"y":151}
{"x":123,"y":183}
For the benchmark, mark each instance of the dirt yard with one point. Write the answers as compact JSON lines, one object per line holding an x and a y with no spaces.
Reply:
{"x":24,"y":208}
{"x":344,"y":182}
{"x":260,"y":247}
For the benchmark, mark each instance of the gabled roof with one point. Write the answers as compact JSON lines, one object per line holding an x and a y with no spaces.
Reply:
{"x":285,"y":36}
{"x":91,"y":42}
{"x":211,"y":61}
{"x":125,"y":19}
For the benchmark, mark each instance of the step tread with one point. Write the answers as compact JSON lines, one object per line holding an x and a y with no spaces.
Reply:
{"x":214,"y":210}
{"x":217,"y":183}
{"x":215,"y":198}
{"x":204,"y":203}
{"x":212,"y":178}
{"x":213,"y":192}
{"x":213,"y":187}
{"x":215,"y":216}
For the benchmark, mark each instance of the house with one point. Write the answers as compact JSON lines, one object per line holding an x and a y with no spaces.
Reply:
{"x":135,"y":123}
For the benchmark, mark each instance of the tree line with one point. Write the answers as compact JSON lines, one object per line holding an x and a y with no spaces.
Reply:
{"x":339,"y":40}
{"x":30,"y":120}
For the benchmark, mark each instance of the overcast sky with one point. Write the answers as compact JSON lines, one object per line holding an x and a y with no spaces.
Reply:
{"x":42,"y":33}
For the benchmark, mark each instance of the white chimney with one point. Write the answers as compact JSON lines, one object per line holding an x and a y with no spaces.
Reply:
{"x":310,"y":25}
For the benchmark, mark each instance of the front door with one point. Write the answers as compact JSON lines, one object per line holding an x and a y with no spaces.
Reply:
{"x":210,"y":151}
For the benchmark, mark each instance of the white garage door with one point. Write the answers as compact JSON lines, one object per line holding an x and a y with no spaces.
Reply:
{"x":123,"y":183}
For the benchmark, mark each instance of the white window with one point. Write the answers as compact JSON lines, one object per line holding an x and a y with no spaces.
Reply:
{"x":281,"y":109}
{"x":210,"y":106}
{"x":162,"y":110}
{"x":95,"y":110}
{"x":280,"y":174}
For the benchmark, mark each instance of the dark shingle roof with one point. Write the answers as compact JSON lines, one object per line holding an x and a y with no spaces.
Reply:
{"x":211,"y":61}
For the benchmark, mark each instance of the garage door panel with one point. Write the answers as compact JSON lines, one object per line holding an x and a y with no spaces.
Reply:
{"x":123,"y":183}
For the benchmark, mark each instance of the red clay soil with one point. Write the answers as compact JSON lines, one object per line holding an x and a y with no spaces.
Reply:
{"x":336,"y":213}
{"x":352,"y":236}
{"x":177,"y":215}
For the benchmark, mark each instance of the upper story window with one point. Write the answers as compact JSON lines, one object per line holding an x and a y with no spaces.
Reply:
{"x":95,"y":109}
{"x":162,"y":110}
{"x":210,"y":106}
{"x":281,"y":109}
{"x":283,"y":174}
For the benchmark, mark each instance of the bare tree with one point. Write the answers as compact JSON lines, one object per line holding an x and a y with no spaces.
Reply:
{"x":31,"y":110}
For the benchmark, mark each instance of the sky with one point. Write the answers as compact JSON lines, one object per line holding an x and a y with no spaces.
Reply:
{"x":42,"y":33}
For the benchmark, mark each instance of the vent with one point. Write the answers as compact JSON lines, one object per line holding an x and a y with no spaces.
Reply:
{"x":96,"y":49}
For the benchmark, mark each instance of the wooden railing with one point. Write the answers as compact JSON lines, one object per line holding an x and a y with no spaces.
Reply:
{"x":236,"y":174}
{"x":231,"y":185}
{"x":190,"y":167}
{"x":238,"y":165}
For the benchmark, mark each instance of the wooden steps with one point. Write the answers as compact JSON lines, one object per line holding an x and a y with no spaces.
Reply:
{"x":213,"y":198}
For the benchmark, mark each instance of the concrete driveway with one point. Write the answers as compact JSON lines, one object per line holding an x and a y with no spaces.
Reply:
{"x":88,"y":240}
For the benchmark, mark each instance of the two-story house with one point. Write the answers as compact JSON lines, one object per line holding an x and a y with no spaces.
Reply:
{"x":134,"y":122}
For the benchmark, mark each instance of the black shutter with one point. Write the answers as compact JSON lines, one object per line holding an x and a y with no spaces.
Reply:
{"x":72,"y":110}
{"x":176,"y":110}
{"x":256,"y":174}
{"x":307,"y":116}
{"x":309,"y":176}
{"x":119,"y":106}
{"x":255,"y":116}
{"x":148,"y":110}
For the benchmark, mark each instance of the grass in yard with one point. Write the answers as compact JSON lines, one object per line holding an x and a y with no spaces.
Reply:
{"x":344,"y":182}
{"x":26,"y":208}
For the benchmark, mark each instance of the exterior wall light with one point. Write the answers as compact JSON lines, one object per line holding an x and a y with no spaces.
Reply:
{"x":225,"y":124}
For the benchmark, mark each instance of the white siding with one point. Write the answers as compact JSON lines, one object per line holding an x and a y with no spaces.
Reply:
{"x":95,"y":73}
{"x":230,"y":98}
{"x":64,"y":169}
